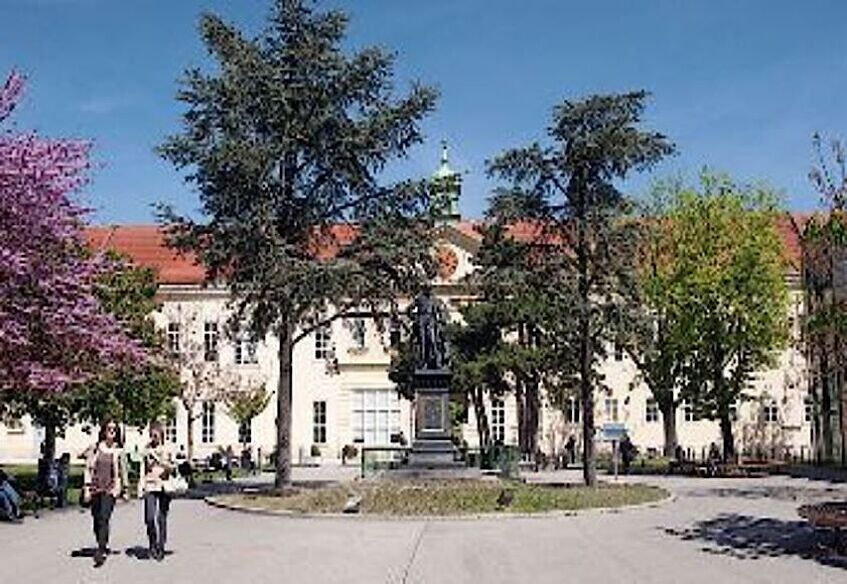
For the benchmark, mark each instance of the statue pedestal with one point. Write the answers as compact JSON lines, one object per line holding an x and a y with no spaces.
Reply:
{"x":432,"y":447}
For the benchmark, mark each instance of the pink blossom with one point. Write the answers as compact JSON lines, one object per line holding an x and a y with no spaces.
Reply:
{"x":53,"y":331}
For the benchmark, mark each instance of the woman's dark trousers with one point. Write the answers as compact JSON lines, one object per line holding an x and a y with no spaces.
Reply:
{"x":156,"y":517}
{"x":102,"y":505}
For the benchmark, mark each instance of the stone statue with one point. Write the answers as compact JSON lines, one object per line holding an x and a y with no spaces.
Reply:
{"x":430,"y":320}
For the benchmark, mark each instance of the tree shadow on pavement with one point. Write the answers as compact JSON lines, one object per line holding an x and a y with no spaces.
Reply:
{"x":751,"y":538}
{"x":776,"y":492}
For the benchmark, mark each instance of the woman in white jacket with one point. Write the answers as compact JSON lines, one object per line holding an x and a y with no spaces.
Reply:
{"x":153,"y":486}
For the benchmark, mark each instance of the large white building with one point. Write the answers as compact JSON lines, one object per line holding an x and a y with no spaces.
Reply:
{"x":342,"y":394}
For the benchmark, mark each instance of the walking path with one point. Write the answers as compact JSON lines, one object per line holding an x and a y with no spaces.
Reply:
{"x":727,"y":531}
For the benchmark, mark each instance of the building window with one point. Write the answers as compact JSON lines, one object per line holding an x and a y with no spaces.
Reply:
{"x":14,"y":425}
{"x":210,"y":341}
{"x":612,"y":409}
{"x":245,"y":432}
{"x":733,"y":413}
{"x":376,"y":416}
{"x":358,"y":331}
{"x":394,"y":334}
{"x":323,"y":342}
{"x":319,"y":422}
{"x":173,"y":337}
{"x":170,"y":430}
{"x":208,"y":423}
{"x":688,"y":411}
{"x":498,"y":421}
{"x":572,"y":410}
{"x":245,"y":351}
{"x":618,"y":351}
{"x":808,"y":408}
{"x":652,"y":411}
{"x":770,"y":412}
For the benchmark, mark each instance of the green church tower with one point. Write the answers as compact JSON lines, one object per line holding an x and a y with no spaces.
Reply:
{"x":448,"y":189}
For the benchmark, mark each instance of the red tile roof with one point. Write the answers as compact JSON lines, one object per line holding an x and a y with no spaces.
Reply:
{"x":145,"y":245}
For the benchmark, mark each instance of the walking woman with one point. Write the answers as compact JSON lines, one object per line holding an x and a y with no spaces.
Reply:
{"x":105,"y":479}
{"x":153,"y":486}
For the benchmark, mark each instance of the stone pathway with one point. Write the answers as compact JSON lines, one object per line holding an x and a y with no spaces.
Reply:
{"x":726,"y":531}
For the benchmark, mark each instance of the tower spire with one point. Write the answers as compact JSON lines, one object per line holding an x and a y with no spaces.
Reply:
{"x":448,"y":186}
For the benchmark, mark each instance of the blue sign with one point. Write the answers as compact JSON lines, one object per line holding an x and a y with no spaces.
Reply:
{"x":613,"y":431}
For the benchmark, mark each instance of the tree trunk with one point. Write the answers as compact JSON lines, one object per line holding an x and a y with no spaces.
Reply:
{"x":586,"y":389}
{"x":727,"y":437}
{"x":532,"y":406}
{"x":189,"y":441}
{"x":589,"y":457}
{"x":283,"y":407}
{"x":49,"y":453}
{"x":668,"y":410}
{"x":481,"y":419}
{"x":520,"y":411}
{"x":826,"y":410}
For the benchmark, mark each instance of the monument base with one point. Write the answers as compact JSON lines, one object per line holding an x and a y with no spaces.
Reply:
{"x":433,"y":453}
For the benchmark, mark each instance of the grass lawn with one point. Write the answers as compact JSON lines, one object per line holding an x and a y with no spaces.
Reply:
{"x":436,"y":498}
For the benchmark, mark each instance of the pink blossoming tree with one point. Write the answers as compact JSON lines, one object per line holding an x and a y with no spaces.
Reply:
{"x":54,"y":334}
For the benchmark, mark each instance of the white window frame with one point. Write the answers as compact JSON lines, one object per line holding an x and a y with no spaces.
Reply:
{"x":651,"y":411}
{"x":688,"y":411}
{"x":14,"y":425}
{"x":375,"y":415}
{"x":358,"y":333}
{"x":573,"y":411}
{"x":170,"y":430}
{"x":770,"y":412}
{"x":174,"y":340}
{"x":319,"y":422}
{"x":498,"y":421}
{"x":323,"y":342}
{"x":210,"y":341}
{"x":246,"y":351}
{"x":611,"y":409}
{"x":207,"y":423}
{"x":245,"y":432}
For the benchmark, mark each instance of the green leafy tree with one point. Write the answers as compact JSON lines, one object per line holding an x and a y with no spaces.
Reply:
{"x":824,"y":240}
{"x":245,"y":404}
{"x":653,"y":333}
{"x":729,"y":281}
{"x":286,"y":143}
{"x":517,"y":309}
{"x":133,"y":397}
{"x":569,"y":190}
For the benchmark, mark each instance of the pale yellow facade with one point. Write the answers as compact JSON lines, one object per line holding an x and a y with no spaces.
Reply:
{"x":361,"y":407}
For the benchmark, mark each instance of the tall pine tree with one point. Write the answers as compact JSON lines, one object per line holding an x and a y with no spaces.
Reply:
{"x":286,"y":142}
{"x":569,"y":189}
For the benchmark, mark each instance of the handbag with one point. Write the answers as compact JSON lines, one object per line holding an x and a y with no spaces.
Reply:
{"x":175,"y":485}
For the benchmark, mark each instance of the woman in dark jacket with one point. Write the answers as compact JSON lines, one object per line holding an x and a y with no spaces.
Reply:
{"x":105,"y":480}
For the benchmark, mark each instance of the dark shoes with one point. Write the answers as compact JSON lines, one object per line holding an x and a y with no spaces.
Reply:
{"x":157,"y":553}
{"x":99,"y":558}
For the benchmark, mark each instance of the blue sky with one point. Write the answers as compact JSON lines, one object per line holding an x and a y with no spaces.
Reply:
{"x":739,"y":86}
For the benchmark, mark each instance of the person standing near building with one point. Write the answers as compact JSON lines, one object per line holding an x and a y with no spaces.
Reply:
{"x":104,"y":481}
{"x":628,"y":452}
{"x":156,"y":473}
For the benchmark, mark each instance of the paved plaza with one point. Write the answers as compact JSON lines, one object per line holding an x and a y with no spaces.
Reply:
{"x":726,"y":531}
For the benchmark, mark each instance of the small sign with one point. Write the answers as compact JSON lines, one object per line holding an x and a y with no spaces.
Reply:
{"x":613,"y":431}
